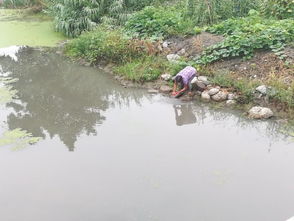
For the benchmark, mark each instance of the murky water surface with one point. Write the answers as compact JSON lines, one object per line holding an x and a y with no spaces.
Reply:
{"x":19,"y":28}
{"x":114,"y":154}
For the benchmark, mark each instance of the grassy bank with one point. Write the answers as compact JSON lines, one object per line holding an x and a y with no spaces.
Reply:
{"x":137,"y":51}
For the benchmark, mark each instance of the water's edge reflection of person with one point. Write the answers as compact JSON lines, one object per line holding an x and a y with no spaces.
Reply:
{"x":184,"y":114}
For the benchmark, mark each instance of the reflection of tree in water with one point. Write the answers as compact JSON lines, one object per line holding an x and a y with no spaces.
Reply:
{"x":60,"y":98}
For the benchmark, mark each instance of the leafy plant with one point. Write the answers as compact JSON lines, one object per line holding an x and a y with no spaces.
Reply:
{"x":211,"y":11}
{"x":72,"y":17}
{"x":158,"y":22}
{"x":280,"y":9}
{"x":245,"y":35}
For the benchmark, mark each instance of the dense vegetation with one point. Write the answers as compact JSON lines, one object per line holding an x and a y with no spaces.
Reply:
{"x":159,"y":22}
{"x":75,"y":16}
{"x":105,"y":44}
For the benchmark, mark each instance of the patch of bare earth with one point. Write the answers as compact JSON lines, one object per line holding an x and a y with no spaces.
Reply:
{"x":262,"y":66}
{"x":193,"y":45}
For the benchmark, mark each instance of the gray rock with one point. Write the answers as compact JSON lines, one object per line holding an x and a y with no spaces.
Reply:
{"x":262,"y":89}
{"x":205,"y":96}
{"x":220,"y":96}
{"x":165,"y":44}
{"x":165,"y":89}
{"x":231,"y":96}
{"x":198,"y":93}
{"x":213,"y":91}
{"x":230,"y":102}
{"x":202,"y":78}
{"x":152,"y":91}
{"x":173,"y":58}
{"x":194,"y":80}
{"x":166,"y":77}
{"x":182,"y":52}
{"x":258,"y":112}
{"x":199,"y":86}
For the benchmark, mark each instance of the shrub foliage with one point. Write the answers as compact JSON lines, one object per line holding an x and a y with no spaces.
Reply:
{"x":245,"y":35}
{"x":280,"y":9}
{"x":158,"y":22}
{"x":72,"y":17}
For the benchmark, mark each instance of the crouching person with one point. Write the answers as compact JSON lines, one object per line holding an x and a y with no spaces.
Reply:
{"x":183,"y":80}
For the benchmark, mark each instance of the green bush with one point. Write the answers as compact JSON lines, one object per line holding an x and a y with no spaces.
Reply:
{"x":280,"y":9}
{"x":158,"y":22}
{"x":245,"y":35}
{"x":72,"y":17}
{"x":103,"y":44}
{"x":75,"y":16}
{"x":212,"y":11}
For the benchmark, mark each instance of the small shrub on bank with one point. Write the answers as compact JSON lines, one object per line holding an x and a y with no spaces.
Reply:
{"x":107,"y":45}
{"x":245,"y":35}
{"x":158,"y":22}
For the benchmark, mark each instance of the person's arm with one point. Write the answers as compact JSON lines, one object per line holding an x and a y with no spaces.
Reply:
{"x":175,"y":88}
{"x":186,"y":87}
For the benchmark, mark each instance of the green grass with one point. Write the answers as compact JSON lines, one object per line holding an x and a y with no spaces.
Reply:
{"x":144,"y":69}
{"x":243,"y":86}
{"x":148,"y":68}
{"x":280,"y":91}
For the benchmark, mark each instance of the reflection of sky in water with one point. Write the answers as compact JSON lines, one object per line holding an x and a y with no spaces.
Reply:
{"x":132,"y":160}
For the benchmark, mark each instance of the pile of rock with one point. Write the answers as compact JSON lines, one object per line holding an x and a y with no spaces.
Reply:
{"x":258,"y":112}
{"x":218,"y":94}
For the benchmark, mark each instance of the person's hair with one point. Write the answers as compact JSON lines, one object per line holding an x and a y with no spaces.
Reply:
{"x":179,"y":79}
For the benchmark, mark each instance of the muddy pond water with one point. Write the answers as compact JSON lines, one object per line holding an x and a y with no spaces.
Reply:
{"x":109,"y":153}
